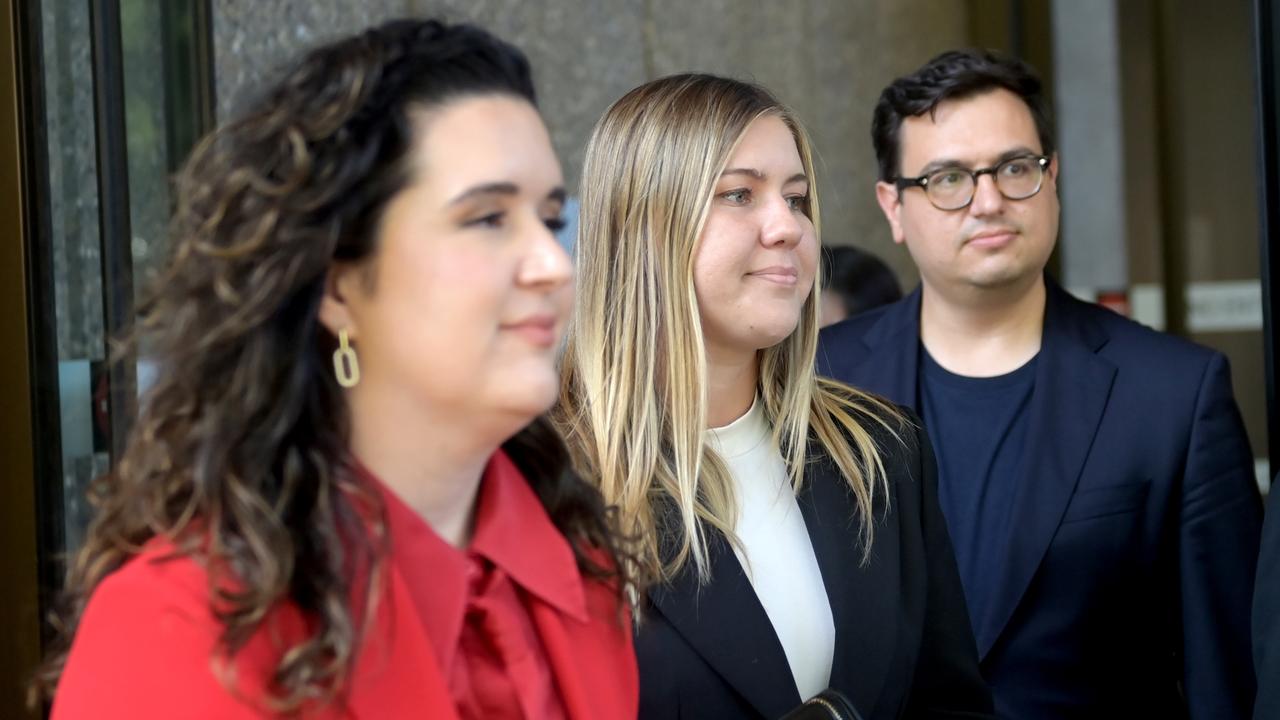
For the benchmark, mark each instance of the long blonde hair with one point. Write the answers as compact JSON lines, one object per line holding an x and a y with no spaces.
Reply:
{"x":633,"y":405}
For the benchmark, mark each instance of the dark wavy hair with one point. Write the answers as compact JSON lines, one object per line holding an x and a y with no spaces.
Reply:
{"x":239,"y":455}
{"x":954,"y":75}
{"x":861,"y":280}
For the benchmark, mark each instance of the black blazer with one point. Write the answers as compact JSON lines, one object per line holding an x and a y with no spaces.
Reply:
{"x":1133,"y":538}
{"x":903,"y":647}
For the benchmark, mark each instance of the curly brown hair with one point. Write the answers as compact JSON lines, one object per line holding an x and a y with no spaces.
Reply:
{"x":239,"y":455}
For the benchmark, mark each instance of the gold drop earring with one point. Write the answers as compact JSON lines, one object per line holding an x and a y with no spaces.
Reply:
{"x":345,"y":365}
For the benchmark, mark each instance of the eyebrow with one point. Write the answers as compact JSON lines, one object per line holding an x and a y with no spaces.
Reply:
{"x":798,"y":177}
{"x":501,"y":188}
{"x":942,"y":163}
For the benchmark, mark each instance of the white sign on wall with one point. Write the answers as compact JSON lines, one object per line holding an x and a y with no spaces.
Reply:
{"x":1224,"y":306}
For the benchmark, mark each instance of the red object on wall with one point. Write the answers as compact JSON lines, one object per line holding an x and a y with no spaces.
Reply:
{"x":1117,"y":300}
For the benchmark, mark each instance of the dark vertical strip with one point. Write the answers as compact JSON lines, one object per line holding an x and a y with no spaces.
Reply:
{"x":205,"y":73}
{"x":27,"y":357}
{"x":1017,"y":29}
{"x":113,"y":211}
{"x":1173,"y":166}
{"x":42,"y":326}
{"x":187,"y":37}
{"x":1266,"y":47}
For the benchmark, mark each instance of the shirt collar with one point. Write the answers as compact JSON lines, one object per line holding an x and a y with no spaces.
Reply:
{"x":742,"y":435}
{"x":512,"y":531}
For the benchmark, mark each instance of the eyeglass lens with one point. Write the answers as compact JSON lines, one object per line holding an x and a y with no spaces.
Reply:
{"x":1016,"y":179}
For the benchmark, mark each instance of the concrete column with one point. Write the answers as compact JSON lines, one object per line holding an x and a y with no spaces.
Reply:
{"x":1090,"y":144}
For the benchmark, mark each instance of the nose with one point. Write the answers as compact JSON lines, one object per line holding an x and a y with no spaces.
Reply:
{"x":546,"y":265}
{"x":780,"y":225}
{"x":987,"y":199}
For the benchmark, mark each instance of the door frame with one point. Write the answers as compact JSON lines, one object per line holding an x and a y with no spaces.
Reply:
{"x":1266,"y":50}
{"x":29,"y":439}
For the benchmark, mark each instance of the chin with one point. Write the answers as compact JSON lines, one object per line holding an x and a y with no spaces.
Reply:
{"x":766,"y":340}
{"x":536,"y":396}
{"x":515,"y":417}
{"x":1003,"y":279}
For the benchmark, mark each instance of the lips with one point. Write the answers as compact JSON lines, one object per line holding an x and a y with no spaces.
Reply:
{"x":993,"y":238}
{"x":780,"y":274}
{"x":538,"y":330}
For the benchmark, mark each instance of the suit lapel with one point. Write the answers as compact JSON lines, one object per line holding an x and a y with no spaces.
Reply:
{"x":1071,"y":392}
{"x":863,"y":613}
{"x":726,"y":624}
{"x":886,"y":361}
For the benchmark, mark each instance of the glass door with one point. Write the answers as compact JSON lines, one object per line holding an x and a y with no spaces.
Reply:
{"x":106,"y":100}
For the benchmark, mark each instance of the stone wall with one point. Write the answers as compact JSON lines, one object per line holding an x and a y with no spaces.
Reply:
{"x":828,"y":59}
{"x":72,"y":166}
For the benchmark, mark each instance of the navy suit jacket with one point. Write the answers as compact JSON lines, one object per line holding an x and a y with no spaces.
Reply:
{"x":903,"y":646}
{"x":1128,"y":575}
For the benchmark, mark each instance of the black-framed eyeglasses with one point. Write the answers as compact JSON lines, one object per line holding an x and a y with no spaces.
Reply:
{"x":952,"y":188}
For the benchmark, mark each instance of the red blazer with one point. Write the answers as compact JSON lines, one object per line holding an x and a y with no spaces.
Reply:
{"x":146,"y":641}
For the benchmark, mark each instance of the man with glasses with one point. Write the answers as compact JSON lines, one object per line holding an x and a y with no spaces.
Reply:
{"x":1094,"y":474}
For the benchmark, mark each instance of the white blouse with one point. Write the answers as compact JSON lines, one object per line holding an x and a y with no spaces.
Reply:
{"x":776,"y":552}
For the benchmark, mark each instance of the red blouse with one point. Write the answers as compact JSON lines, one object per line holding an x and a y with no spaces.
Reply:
{"x":507,"y":628}
{"x":473,"y":603}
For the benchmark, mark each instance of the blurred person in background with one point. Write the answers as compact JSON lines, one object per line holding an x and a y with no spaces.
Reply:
{"x":339,"y":498}
{"x":854,"y":281}
{"x":790,"y":542}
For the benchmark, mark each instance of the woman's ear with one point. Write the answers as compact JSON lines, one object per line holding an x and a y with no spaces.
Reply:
{"x":335,"y":309}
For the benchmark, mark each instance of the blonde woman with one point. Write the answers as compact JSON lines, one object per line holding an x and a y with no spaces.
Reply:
{"x":787,"y":528}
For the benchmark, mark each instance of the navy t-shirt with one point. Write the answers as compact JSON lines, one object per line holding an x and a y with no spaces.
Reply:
{"x":979,"y":431}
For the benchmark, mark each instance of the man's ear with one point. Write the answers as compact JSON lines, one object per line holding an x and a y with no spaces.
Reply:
{"x":887,"y":194}
{"x":340,"y":283}
{"x":1051,"y":172}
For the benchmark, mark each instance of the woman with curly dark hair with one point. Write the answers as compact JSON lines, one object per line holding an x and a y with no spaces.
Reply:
{"x":340,"y":499}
